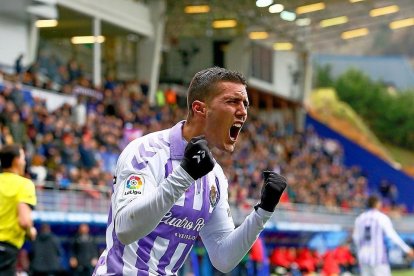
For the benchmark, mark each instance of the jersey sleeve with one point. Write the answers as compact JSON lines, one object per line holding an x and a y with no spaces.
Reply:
{"x":141,"y":197}
{"x":131,"y":184}
{"x":388,"y":229}
{"x":225,"y":244}
{"x":27,"y":193}
{"x":355,"y":234}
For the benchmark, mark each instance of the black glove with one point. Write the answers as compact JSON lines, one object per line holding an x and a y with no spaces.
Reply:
{"x":198,"y":160}
{"x":273,"y":187}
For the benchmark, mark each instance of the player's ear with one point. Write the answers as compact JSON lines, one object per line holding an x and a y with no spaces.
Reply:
{"x":199,"y":108}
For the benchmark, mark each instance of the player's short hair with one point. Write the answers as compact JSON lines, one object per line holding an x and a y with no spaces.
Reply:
{"x":7,"y":154}
{"x":204,"y":83}
{"x":372,"y":201}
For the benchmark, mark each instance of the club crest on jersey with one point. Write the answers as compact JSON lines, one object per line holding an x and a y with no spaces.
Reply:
{"x":213,"y":196}
{"x":134,"y":185}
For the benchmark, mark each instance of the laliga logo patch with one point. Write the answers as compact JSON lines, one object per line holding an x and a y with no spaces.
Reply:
{"x":134,"y":185}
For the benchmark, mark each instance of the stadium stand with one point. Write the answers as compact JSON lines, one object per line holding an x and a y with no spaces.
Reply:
{"x":72,"y":150}
{"x":81,"y":146}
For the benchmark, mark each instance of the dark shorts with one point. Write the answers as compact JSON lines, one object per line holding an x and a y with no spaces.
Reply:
{"x":8,"y":259}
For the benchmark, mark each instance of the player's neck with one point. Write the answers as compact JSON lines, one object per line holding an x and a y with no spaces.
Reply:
{"x":191,"y":129}
{"x":11,"y":170}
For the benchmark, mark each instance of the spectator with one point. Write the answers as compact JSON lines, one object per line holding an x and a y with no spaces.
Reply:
{"x":110,"y":82}
{"x":17,"y":129}
{"x":31,"y":76}
{"x":345,"y":258}
{"x":5,"y":136}
{"x":279,"y":261}
{"x":330,"y":266}
{"x":307,"y":261}
{"x":160,"y":98}
{"x":79,"y":112}
{"x":18,"y":66}
{"x":87,"y":149}
{"x":171,"y":97}
{"x":37,"y":170}
{"x":69,"y":151}
{"x":144,"y":87}
{"x":74,"y":71}
{"x":16,"y":95}
{"x":45,"y":253}
{"x":83,"y":252}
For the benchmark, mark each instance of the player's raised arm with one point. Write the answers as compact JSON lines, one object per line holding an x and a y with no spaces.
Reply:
{"x":141,"y":215}
{"x":227,"y":246}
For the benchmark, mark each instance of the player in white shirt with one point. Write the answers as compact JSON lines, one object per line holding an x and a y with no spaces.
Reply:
{"x":371,"y":228}
{"x":169,"y":190}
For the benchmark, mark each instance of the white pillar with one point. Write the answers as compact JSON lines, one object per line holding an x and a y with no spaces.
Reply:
{"x":306,"y":89}
{"x":97,"y":78}
{"x":308,"y":76}
{"x":33,"y":41}
{"x":150,"y":49}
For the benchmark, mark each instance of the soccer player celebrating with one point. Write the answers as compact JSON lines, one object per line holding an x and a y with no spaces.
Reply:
{"x":371,"y":227}
{"x":169,"y":190}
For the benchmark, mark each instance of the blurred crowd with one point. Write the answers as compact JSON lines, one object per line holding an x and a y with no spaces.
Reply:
{"x":282,"y":260}
{"x":303,"y":260}
{"x":79,"y":144}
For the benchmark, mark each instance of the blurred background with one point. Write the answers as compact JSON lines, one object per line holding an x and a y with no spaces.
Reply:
{"x":331,"y":85}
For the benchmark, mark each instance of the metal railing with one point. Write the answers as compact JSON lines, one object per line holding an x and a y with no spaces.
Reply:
{"x":91,"y":201}
{"x":80,"y":204}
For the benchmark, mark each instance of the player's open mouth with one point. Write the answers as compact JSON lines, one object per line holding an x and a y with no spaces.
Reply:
{"x":234,"y":131}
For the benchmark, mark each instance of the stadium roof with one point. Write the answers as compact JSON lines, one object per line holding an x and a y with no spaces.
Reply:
{"x":296,"y":24}
{"x":307,"y":30}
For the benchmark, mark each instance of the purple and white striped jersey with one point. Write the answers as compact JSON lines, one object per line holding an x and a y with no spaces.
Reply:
{"x":370,"y":229}
{"x":149,"y":168}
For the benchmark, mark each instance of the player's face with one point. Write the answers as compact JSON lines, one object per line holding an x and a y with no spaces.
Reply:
{"x":226,"y":114}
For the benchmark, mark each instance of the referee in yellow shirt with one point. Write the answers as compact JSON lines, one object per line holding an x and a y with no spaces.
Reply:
{"x":17,"y":199}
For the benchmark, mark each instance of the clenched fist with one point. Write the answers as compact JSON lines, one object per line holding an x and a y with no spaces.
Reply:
{"x":198,"y":160}
{"x":273,"y":187}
